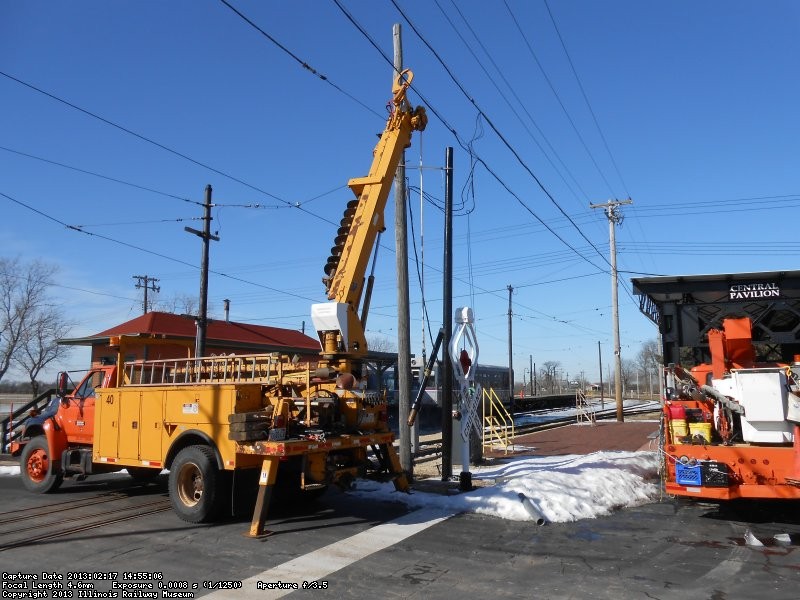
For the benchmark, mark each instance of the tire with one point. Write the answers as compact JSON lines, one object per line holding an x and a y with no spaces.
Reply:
{"x":40,"y":474}
{"x":143,"y":474}
{"x":196,"y":485}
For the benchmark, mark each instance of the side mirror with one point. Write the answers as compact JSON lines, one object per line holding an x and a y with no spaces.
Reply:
{"x":61,"y":383}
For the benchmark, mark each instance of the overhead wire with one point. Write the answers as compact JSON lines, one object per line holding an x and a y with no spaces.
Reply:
{"x":110,"y":123}
{"x":558,"y":98}
{"x":491,"y":124}
{"x":418,"y":264}
{"x":91,"y":114}
{"x":159,"y":145}
{"x":148,"y":251}
{"x":522,"y":104}
{"x":302,"y":63}
{"x":94,"y":174}
{"x":178,"y":220}
{"x":586,"y":99}
{"x":635,"y":208}
{"x":461,"y":141}
{"x":391,"y":63}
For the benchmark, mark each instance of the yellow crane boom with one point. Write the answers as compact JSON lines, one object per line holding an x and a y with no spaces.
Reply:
{"x":338,"y":323}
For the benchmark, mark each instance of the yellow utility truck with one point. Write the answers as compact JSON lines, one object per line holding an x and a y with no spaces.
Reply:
{"x":206,"y":418}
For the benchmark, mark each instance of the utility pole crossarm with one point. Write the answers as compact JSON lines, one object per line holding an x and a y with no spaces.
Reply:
{"x":148,"y":283}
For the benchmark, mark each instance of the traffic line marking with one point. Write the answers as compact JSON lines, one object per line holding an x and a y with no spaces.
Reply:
{"x":320,"y":563}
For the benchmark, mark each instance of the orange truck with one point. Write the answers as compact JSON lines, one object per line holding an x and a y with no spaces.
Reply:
{"x":52,"y":439}
{"x":732,"y":426}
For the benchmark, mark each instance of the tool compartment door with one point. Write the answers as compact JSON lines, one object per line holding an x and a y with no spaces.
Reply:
{"x":106,"y":427}
{"x":129,"y":423}
{"x":151,"y":425}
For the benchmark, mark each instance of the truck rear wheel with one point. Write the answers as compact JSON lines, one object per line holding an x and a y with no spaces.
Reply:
{"x":39,"y":474}
{"x":195,"y":485}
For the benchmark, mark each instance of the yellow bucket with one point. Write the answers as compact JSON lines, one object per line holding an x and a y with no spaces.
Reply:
{"x":701,"y":429}
{"x":677,"y":429}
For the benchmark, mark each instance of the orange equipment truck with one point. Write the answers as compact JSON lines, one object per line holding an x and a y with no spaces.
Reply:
{"x":205,"y":418}
{"x":732,"y":427}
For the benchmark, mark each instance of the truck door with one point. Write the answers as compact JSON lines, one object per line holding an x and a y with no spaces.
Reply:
{"x":140,"y":424}
{"x":78,"y":413}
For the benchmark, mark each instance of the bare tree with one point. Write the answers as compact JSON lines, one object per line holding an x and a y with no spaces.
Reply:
{"x":549,"y":376}
{"x":179,"y":304}
{"x":39,"y":346}
{"x":649,"y":359}
{"x":23,"y":306}
{"x":380,"y":343}
{"x":628,"y":374}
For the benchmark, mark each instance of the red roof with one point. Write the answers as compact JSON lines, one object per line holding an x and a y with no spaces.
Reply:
{"x":218,"y":332}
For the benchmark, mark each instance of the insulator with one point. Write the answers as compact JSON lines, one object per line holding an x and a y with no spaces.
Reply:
{"x":340,"y":240}
{"x":342,"y":230}
{"x":337,"y":251}
{"x":352,"y":203}
{"x":348,"y":213}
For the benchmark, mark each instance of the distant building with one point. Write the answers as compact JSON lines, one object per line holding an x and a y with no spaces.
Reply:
{"x":222,"y":337}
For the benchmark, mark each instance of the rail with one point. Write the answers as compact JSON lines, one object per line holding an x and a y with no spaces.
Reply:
{"x":498,"y":424}
{"x":12,"y":426}
{"x":234,"y":368}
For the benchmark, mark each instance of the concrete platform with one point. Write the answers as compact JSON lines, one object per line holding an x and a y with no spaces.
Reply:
{"x":584,"y":439}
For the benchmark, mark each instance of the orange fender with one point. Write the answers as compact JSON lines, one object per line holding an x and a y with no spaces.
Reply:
{"x":56,"y":442}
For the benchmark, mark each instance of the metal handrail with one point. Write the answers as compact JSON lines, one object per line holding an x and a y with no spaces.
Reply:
{"x":497,"y":421}
{"x":12,"y":426}
{"x":584,"y":412}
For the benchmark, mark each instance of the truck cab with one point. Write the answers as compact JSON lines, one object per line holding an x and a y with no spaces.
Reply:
{"x":56,"y":440}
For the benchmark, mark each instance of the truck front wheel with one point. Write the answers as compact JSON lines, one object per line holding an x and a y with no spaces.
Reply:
{"x":39,"y":474}
{"x":195,"y":485}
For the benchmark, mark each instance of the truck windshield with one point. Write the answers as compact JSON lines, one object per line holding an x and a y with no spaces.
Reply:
{"x":86,"y":388}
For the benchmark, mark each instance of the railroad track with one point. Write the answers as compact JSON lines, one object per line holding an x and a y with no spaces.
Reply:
{"x":29,"y":526}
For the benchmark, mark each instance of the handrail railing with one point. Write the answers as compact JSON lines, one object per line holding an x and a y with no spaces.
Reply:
{"x":584,"y":412}
{"x":498,"y":424}
{"x":12,"y":426}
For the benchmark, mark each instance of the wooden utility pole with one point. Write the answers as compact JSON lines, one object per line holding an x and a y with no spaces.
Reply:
{"x":403,"y":310}
{"x":532,"y":373}
{"x":602,"y":391}
{"x":205,"y":235}
{"x":510,"y":356}
{"x":148,"y":283}
{"x":614,"y":217}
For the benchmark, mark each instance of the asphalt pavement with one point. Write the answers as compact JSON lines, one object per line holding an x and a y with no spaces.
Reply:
{"x":349,"y":547}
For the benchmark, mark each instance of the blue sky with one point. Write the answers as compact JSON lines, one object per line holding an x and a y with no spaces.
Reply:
{"x":696,"y":102}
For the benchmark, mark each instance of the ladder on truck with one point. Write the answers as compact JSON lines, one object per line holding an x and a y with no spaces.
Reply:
{"x":222,"y":369}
